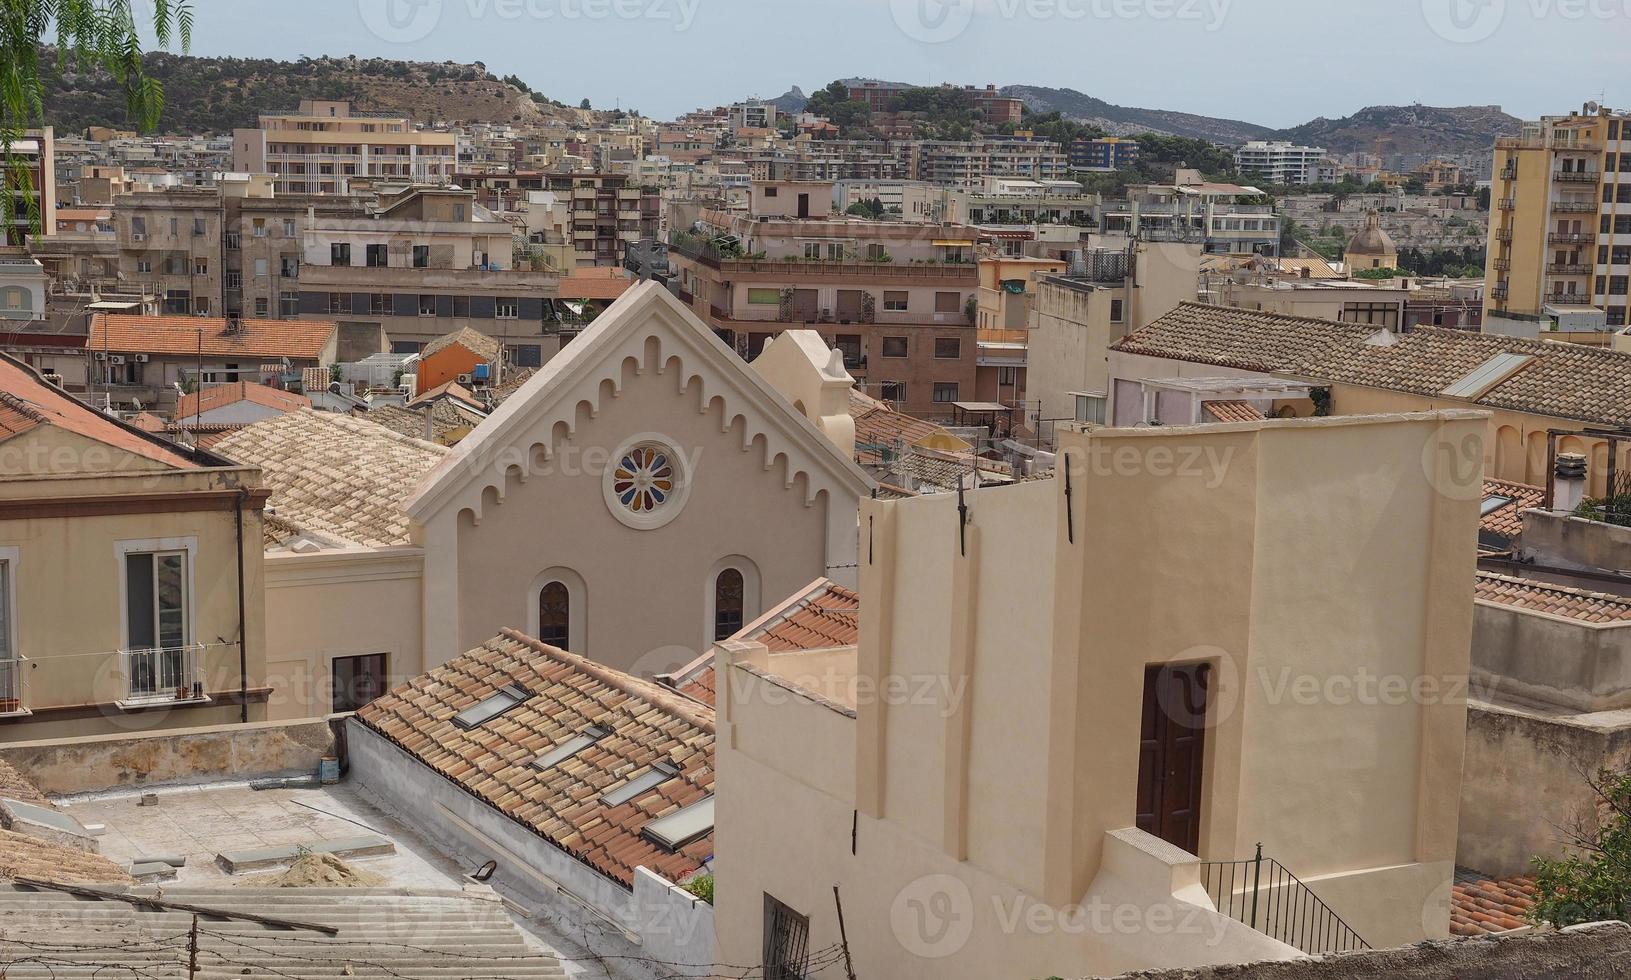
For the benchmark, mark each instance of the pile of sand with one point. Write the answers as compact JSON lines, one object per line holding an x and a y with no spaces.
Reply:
{"x":317,"y":871}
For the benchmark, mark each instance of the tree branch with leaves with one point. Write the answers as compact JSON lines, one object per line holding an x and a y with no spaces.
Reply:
{"x":50,"y":35}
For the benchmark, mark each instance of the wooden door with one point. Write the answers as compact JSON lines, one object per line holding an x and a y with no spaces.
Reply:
{"x":1172,"y":753}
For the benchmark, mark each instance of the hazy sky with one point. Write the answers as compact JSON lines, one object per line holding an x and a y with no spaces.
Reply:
{"x":1274,"y":62}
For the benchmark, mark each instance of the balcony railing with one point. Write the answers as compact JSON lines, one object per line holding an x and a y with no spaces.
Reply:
{"x":1499,"y":292}
{"x":1568,"y":299}
{"x":164,"y":674}
{"x":13,"y":686}
{"x":1508,"y":173}
{"x":1261,"y":893}
{"x":1501,"y":265}
{"x":1503,"y":234}
{"x":1567,"y":269}
{"x":1575,"y":207}
{"x":1570,"y":238}
{"x":1575,"y":176}
{"x":1508,"y":203}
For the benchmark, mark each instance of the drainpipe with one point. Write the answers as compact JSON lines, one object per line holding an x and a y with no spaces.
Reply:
{"x":243,"y":652}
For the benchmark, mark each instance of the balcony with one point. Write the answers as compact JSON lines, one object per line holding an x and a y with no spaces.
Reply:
{"x":13,"y":687}
{"x":1567,"y":269}
{"x":1575,"y":176}
{"x":1575,"y":207}
{"x":1508,"y":173}
{"x":1570,"y":238}
{"x":1508,"y":204}
{"x":1501,"y":265}
{"x":165,"y":675}
{"x":1553,"y":142}
{"x":1568,"y":299}
{"x":1503,"y":234}
{"x":1499,"y":292}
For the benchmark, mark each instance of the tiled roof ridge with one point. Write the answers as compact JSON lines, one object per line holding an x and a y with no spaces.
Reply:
{"x":24,"y":408}
{"x":1569,"y":590}
{"x":352,"y":423}
{"x":686,"y":709}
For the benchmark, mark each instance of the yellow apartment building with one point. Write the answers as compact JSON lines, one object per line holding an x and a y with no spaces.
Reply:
{"x":323,"y":146}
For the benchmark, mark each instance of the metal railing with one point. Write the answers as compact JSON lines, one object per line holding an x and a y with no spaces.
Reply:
{"x":13,"y":686}
{"x":1575,"y":176}
{"x":1261,"y":893}
{"x":164,"y":674}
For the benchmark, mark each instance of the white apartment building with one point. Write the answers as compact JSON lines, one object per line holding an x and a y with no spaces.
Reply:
{"x":325,"y":145}
{"x":1279,"y":162}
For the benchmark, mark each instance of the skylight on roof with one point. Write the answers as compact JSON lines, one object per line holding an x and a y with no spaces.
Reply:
{"x":659,"y":773}
{"x":492,"y":706}
{"x":570,"y":747}
{"x":683,"y":826}
{"x":1487,"y":375}
{"x":1493,"y":503}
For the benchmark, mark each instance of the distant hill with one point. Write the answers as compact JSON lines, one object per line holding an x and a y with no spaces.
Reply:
{"x":215,"y":95}
{"x":1415,"y":130}
{"x":791,"y":102}
{"x":1128,"y":121}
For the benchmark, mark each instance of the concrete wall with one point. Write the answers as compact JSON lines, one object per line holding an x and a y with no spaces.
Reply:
{"x":1526,"y":778}
{"x":1573,"y":542}
{"x":90,"y":764}
{"x":1551,"y":660}
{"x":653,"y":921}
{"x":1070,"y":339}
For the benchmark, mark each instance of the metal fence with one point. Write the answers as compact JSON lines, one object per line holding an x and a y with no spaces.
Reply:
{"x":1261,"y":893}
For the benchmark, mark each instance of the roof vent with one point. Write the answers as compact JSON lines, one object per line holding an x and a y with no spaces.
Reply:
{"x":1382,"y":338}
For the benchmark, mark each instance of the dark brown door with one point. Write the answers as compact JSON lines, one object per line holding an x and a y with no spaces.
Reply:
{"x":804,"y":205}
{"x":1172,"y":750}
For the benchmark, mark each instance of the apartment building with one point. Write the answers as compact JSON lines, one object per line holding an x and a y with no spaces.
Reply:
{"x":130,"y":574}
{"x":262,"y":243}
{"x":752,"y":114}
{"x":33,"y":151}
{"x":1561,"y":236}
{"x":423,"y":265}
{"x":608,"y":213}
{"x":1087,"y":730}
{"x":1192,"y":209}
{"x":1280,"y":162}
{"x":170,"y":243}
{"x":897,"y":298}
{"x":1104,"y":154}
{"x":324,"y":146}
{"x":968,"y":162}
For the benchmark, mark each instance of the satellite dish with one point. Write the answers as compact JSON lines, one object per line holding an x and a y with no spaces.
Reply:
{"x":1591,"y":108}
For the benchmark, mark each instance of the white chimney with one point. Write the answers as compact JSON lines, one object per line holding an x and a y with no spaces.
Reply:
{"x":1568,"y":482}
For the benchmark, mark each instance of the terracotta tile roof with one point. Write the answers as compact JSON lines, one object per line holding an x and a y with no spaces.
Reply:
{"x":1480,"y":905}
{"x":447,"y":390}
{"x":648,"y":723}
{"x":1508,"y":521}
{"x":888,"y":491}
{"x":473,"y":341}
{"x":1556,"y":600}
{"x":1232,"y":411}
{"x":147,"y":422}
{"x":220,"y":396}
{"x":821,"y":617}
{"x":16,"y":786}
{"x":946,"y":471}
{"x":256,"y":338}
{"x":876,"y":424}
{"x":695,"y":680}
{"x":1564,"y":380}
{"x":445,"y":419}
{"x":30,"y":857}
{"x":514,"y":378}
{"x":334,"y":474}
{"x":584,"y":284}
{"x":27,"y":402}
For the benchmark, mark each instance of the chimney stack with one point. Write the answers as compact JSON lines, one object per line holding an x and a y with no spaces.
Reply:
{"x":1568,"y":482}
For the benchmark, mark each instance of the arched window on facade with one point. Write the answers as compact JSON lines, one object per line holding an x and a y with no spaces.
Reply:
{"x":555,"y":615}
{"x":728,"y":604}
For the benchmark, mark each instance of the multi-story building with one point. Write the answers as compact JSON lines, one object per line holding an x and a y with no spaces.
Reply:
{"x":607,"y":212}
{"x":1561,"y":237}
{"x":1195,"y":210}
{"x":968,"y":162}
{"x":36,"y":204}
{"x":752,"y":114}
{"x":262,"y":241}
{"x":170,"y":243}
{"x":422,"y":266}
{"x":898,"y":298}
{"x":1104,"y":154}
{"x":129,"y":596}
{"x":876,"y":94}
{"x":1280,"y":162}
{"x":324,"y":146}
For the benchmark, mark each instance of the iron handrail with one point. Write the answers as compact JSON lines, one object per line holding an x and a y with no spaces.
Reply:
{"x":1261,"y":893}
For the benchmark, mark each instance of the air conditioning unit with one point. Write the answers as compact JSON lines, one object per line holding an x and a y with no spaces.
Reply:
{"x":141,"y":358}
{"x":137,"y":236}
{"x":101,"y":355}
{"x":116,"y":359}
{"x":464,"y":379}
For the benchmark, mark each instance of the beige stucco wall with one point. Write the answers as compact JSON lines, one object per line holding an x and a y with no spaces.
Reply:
{"x":70,"y":602}
{"x":1320,"y":566}
{"x":345,"y":603}
{"x":1069,"y":343}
